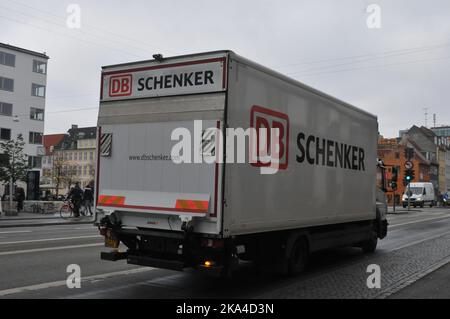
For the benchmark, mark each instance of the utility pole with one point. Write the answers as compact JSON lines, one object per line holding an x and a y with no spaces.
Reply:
{"x":426,"y":116}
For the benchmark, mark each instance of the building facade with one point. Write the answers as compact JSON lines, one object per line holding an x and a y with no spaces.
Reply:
{"x":50,"y":141}
{"x":23,"y":80}
{"x":392,"y":153}
{"x":75,"y":156}
{"x":443,"y":132}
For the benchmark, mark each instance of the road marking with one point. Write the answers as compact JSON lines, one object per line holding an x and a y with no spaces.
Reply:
{"x":419,"y":221}
{"x":61,"y":283}
{"x":421,"y":241}
{"x":16,"y":252}
{"x":47,"y":239}
{"x":15,"y":232}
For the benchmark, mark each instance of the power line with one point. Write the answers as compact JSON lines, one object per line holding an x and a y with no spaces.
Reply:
{"x":69,"y":36}
{"x":91,"y":26}
{"x":377,"y":66}
{"x":61,"y":111}
{"x":362,"y":61}
{"x":368,"y":55}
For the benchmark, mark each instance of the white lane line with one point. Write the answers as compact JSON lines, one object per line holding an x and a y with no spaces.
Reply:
{"x":15,"y":232}
{"x":47,"y":239}
{"x":421,"y":241}
{"x":418,"y":221}
{"x":63,"y":282}
{"x":25,"y":251}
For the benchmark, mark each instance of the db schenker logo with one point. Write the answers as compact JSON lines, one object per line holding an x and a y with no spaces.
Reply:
{"x":120,"y":85}
{"x":272,"y":138}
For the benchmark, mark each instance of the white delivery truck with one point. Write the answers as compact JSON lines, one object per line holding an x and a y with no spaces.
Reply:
{"x":175,"y":190}
{"x":420,"y":194}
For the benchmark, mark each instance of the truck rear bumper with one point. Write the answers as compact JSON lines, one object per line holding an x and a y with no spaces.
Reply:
{"x":155,"y":262}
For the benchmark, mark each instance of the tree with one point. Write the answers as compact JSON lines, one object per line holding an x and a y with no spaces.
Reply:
{"x":14,"y":164}
{"x":63,"y":173}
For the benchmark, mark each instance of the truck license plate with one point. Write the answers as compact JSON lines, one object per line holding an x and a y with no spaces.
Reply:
{"x":111,"y":240}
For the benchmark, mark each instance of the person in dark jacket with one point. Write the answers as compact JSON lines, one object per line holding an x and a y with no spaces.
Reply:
{"x":76,"y":196}
{"x":20,"y":197}
{"x":88,"y":200}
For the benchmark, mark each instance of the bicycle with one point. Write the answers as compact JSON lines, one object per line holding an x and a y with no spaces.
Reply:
{"x":66,"y":210}
{"x":37,"y":209}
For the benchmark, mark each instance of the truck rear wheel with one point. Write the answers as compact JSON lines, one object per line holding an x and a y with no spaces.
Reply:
{"x":298,"y":257}
{"x":370,"y":245}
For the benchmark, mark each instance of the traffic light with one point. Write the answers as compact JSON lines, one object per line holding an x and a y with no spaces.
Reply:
{"x":394,"y":174}
{"x":409,"y":153}
{"x":394,"y":177}
{"x":409,"y":176}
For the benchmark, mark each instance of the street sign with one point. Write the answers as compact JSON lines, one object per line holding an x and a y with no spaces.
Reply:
{"x":408,"y":165}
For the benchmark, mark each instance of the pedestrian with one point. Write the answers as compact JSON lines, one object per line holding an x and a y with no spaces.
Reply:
{"x":76,"y":196}
{"x":20,"y":197}
{"x":88,"y":199}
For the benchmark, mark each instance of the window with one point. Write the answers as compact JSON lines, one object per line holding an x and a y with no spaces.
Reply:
{"x":6,"y":84}
{"x":70,"y":156}
{"x":91,"y":155}
{"x":35,"y":138}
{"x":79,"y":170}
{"x":38,"y":90}
{"x":75,"y":156}
{"x":85,"y":156}
{"x":5,"y":134}
{"x":7,"y":59}
{"x":36,"y":114}
{"x":85,"y":170}
{"x":39,"y":67}
{"x":34,"y":162}
{"x":6,"y":109}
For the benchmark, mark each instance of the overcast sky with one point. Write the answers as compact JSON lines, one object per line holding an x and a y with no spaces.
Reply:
{"x":394,"y":71}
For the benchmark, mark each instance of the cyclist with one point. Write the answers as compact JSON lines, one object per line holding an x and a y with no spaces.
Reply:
{"x":76,"y":196}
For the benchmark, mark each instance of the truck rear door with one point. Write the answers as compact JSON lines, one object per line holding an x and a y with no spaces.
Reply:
{"x":138,"y":176}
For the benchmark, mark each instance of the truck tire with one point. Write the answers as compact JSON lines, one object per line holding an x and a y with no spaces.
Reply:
{"x":298,"y":257}
{"x":370,"y":245}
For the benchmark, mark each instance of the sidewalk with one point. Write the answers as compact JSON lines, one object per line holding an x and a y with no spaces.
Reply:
{"x":24,"y":219}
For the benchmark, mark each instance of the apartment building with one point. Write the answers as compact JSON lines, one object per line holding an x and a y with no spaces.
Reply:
{"x":23,"y":80}
{"x":76,"y":154}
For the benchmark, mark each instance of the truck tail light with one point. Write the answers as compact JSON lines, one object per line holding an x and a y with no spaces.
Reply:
{"x":103,"y":230}
{"x":212,"y":243}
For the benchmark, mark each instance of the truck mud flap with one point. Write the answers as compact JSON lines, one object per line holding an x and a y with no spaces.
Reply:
{"x":113,"y":255}
{"x":155,"y":262}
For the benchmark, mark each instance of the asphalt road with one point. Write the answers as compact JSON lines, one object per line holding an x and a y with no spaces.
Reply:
{"x":34,"y":260}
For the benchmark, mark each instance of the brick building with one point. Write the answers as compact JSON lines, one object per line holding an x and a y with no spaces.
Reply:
{"x":392,"y":153}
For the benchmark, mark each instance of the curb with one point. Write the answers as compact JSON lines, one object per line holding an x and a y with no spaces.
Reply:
{"x":46,"y":224}
{"x":29,"y":218}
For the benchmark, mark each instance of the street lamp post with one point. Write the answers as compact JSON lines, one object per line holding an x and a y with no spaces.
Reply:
{"x":11,"y":181}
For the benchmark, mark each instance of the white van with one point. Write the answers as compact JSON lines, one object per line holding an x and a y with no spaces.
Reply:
{"x":421,"y":194}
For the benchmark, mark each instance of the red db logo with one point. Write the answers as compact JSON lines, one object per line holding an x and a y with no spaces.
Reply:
{"x":120,"y":85}
{"x":272,"y":138}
